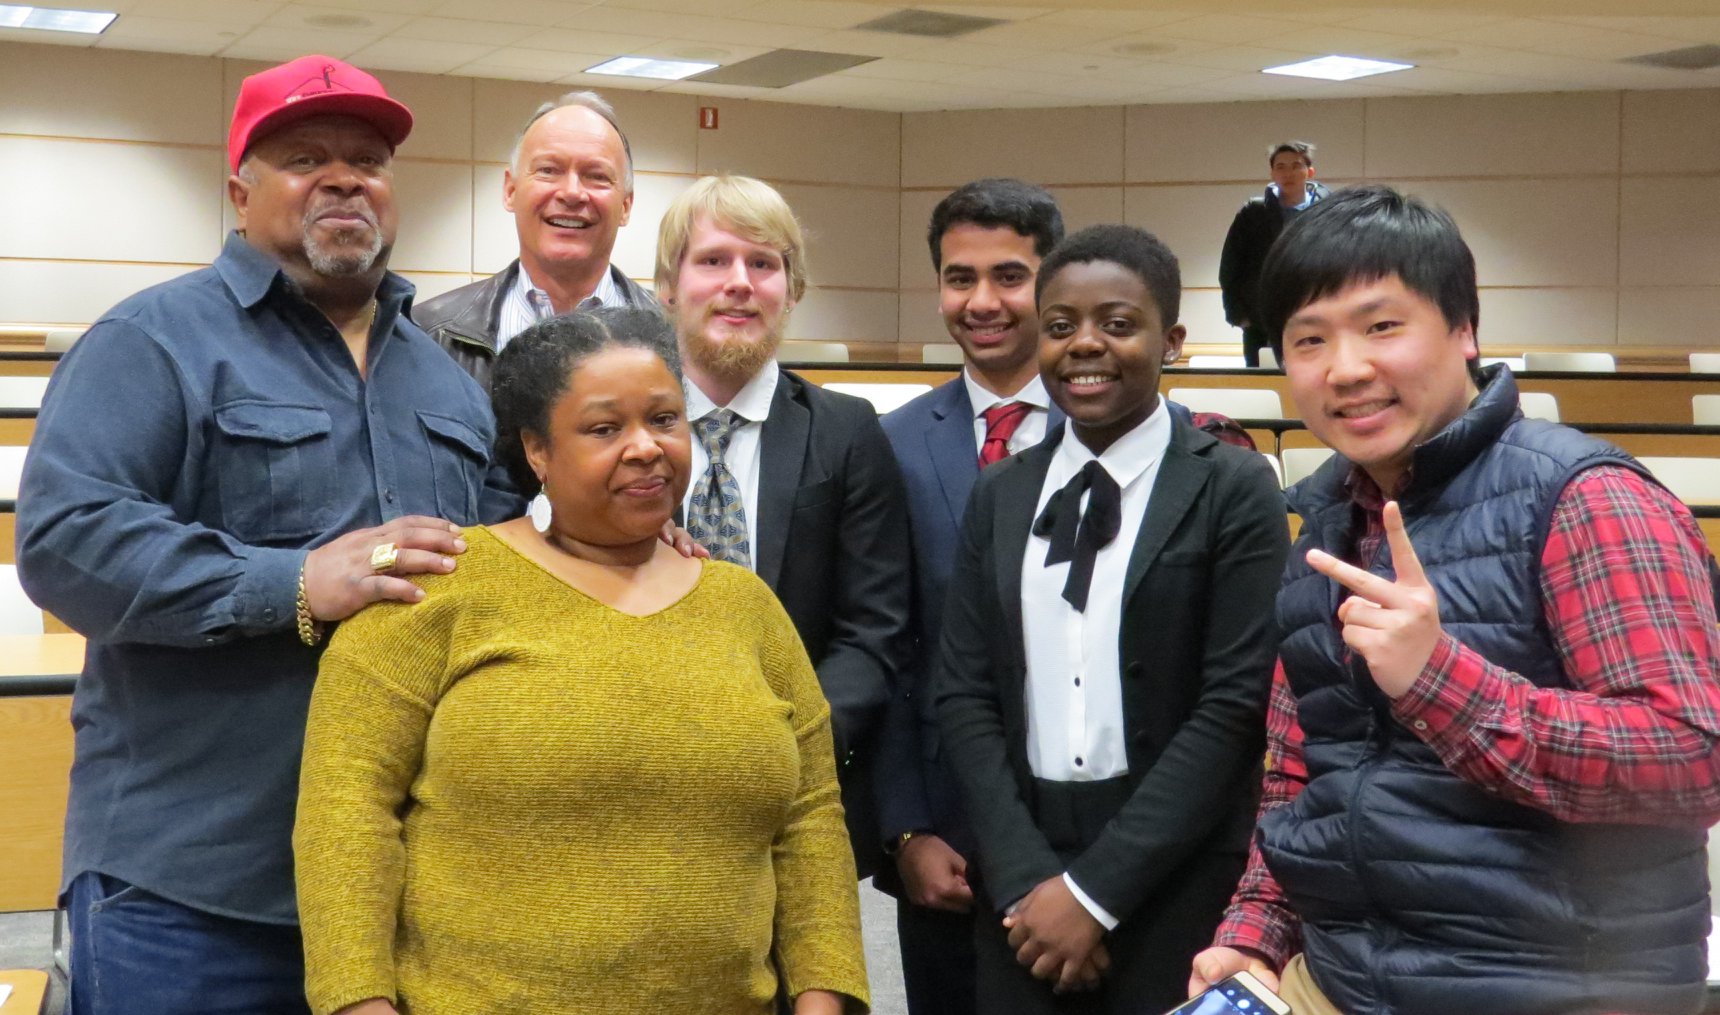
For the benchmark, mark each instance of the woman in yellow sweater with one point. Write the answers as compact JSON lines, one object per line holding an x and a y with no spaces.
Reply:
{"x":585,"y":774}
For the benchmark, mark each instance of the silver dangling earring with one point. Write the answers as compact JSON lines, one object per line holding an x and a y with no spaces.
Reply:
{"x":539,"y":512}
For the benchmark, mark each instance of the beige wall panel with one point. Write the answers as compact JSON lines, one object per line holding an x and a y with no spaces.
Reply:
{"x":1530,"y":232}
{"x":109,"y":93}
{"x":1203,"y":315}
{"x":495,"y":240}
{"x":918,"y":320}
{"x":916,"y":259}
{"x":1191,"y":221}
{"x":1493,"y":135}
{"x":844,"y":245}
{"x":1540,"y":318}
{"x":431,"y":286}
{"x":1075,"y":145}
{"x":834,"y":315}
{"x":51,"y":292}
{"x":441,"y":113}
{"x":636,"y":244}
{"x":781,"y":142}
{"x":660,"y":128}
{"x":434,"y":202}
{"x":1675,"y":315}
{"x":1672,"y":132}
{"x":1669,"y":231}
{"x":145,"y":203}
{"x":1089,"y":206}
{"x":1229,"y":142}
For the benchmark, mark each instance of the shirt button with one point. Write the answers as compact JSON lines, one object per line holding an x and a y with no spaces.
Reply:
{"x":1077,"y":681}
{"x":1420,"y":724}
{"x":388,"y":495}
{"x":1078,"y":762}
{"x":269,"y":613}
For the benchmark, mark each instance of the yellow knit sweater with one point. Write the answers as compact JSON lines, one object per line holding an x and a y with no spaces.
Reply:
{"x":516,"y":799}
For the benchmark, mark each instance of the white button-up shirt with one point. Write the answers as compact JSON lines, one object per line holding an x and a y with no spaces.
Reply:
{"x":1033,"y":426}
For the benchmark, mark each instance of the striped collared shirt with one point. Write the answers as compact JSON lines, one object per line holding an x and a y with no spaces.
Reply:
{"x":526,"y":304}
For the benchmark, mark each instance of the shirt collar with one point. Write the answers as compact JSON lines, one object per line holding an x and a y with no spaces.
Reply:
{"x":1129,"y":456}
{"x":251,"y":275}
{"x":752,"y":402}
{"x":606,"y":294}
{"x":1033,"y":393}
{"x":1307,"y":196}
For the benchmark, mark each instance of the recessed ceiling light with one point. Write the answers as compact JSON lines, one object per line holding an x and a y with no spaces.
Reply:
{"x":49,"y":19}
{"x":650,"y":67}
{"x":1338,"y":68}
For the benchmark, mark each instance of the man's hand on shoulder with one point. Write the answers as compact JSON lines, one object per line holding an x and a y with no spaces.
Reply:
{"x":340,"y":578}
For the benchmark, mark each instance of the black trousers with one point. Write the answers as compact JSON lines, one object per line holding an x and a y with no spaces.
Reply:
{"x":937,"y":959}
{"x":1152,"y":949}
{"x":1253,"y":340}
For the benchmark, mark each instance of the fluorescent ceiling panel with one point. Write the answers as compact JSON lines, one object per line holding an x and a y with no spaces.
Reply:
{"x":50,"y":19}
{"x":650,"y":67}
{"x":1338,"y":68}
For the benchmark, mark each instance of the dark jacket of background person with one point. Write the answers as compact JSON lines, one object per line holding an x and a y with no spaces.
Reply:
{"x":464,"y":321}
{"x":193,"y":446}
{"x":1493,"y":907}
{"x":1251,"y":235}
{"x":1195,"y":656}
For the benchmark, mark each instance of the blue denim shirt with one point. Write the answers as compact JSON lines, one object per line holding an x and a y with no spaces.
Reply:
{"x":192,"y":447}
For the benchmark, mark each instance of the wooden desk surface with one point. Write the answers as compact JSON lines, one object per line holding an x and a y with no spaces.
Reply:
{"x":39,"y":655}
{"x":29,"y":986}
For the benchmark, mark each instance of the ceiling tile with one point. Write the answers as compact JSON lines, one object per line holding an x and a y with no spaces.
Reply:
{"x":249,"y":12}
{"x":811,"y":13}
{"x":1228,"y":29}
{"x":1243,"y":59}
{"x":275,"y":43}
{"x":1560,"y":39}
{"x":979,"y":11}
{"x":547,"y":66}
{"x":170,"y":35}
{"x":690,"y":26}
{"x":889,"y":69}
{"x":1407,"y":21}
{"x":870,"y":43}
{"x":410,"y":8}
{"x":684,"y":49}
{"x":1039,"y":33}
{"x":1116,"y":22}
{"x":1347,"y":41}
{"x":420,"y":55}
{"x":519,"y":12}
{"x":708,"y":7}
{"x":567,"y":40}
{"x":309,"y":17}
{"x":462,"y":30}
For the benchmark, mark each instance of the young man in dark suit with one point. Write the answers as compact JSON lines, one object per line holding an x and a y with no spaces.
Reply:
{"x":1104,"y":664}
{"x":987,"y":239}
{"x":793,"y":481}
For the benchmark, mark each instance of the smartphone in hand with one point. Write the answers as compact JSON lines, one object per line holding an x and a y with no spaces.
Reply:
{"x":1242,"y":994}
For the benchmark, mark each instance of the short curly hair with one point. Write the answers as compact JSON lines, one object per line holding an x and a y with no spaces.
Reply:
{"x":1129,"y":247}
{"x":533,"y":370}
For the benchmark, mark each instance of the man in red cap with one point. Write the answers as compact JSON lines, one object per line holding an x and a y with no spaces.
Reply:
{"x":225,"y":464}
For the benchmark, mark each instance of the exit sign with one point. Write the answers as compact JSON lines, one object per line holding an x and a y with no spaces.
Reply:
{"x":707,"y":118}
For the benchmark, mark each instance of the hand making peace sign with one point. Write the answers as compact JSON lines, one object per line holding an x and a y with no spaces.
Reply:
{"x":1393,"y":624}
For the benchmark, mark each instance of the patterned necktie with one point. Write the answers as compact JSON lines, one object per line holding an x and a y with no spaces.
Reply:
{"x":1077,"y":536}
{"x":718,"y":519}
{"x":1001,"y":421}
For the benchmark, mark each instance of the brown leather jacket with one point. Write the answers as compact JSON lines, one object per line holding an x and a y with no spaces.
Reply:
{"x":463,"y":321}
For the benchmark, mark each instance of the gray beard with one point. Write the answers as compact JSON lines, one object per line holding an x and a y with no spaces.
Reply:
{"x":342,"y":259}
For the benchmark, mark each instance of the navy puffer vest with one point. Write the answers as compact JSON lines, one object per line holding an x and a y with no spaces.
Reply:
{"x":1420,"y":893}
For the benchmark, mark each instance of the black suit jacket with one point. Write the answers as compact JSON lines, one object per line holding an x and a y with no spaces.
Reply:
{"x":1195,"y":652}
{"x":832,"y":534}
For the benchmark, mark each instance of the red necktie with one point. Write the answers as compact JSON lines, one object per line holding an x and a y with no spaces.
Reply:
{"x":1001,"y":421}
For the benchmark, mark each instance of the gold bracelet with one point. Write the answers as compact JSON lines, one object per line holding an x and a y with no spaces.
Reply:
{"x":310,"y":629}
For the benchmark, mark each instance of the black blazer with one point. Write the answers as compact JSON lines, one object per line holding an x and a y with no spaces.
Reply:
{"x":832,"y":533}
{"x":1196,"y":648}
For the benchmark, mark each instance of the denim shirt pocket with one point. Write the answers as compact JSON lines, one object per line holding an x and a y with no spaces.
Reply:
{"x":274,"y":465}
{"x":458,"y":456}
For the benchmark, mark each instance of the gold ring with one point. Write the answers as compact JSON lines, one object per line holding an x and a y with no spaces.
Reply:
{"x":384,"y":557}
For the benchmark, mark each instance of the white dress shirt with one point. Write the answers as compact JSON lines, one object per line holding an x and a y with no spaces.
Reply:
{"x":744,"y":456}
{"x":526,"y":304}
{"x":1074,"y":685}
{"x":1033,"y":426}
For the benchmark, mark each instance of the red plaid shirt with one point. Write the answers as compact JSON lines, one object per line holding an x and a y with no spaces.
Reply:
{"x":1625,"y":588}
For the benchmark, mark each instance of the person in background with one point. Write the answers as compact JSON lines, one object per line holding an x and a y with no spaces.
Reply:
{"x":1105,"y":657}
{"x":792,"y":481}
{"x":225,"y":464}
{"x":569,"y":186}
{"x":585,"y":774}
{"x":1292,"y":191}
{"x":1492,"y":740}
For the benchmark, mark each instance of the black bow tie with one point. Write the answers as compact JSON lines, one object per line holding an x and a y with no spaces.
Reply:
{"x":1077,"y":536}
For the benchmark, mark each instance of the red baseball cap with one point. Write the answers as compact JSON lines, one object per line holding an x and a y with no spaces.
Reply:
{"x":312,"y":86}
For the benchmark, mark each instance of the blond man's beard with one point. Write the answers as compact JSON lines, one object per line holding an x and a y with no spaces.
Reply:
{"x":737,"y":360}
